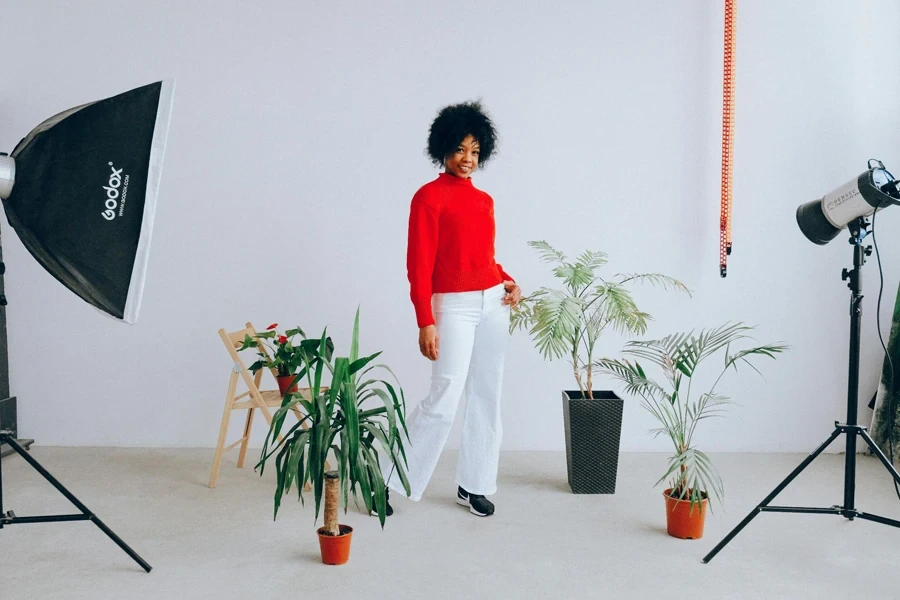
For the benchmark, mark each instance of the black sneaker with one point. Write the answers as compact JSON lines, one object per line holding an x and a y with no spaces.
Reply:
{"x":478,"y":505}
{"x":388,"y":511}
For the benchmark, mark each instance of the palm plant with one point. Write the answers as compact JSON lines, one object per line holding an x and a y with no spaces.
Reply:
{"x":568,"y":322}
{"x":337,"y":421}
{"x":679,"y":357}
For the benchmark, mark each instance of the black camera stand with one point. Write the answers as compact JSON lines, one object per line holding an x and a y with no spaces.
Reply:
{"x":851,"y":429}
{"x":10,"y":518}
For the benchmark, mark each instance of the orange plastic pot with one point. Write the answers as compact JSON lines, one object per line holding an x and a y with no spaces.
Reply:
{"x":335,"y":548}
{"x":683,"y":521}
{"x":284,"y":381}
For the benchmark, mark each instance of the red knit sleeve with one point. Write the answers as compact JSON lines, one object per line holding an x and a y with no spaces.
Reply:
{"x":421,"y":251}
{"x":503,"y":274}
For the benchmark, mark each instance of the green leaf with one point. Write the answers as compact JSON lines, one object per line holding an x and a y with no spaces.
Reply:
{"x":360,"y":473}
{"x":617,"y":307}
{"x":266,"y":454}
{"x":369,"y":458}
{"x":358,"y":364}
{"x":655,"y":279}
{"x":557,"y":319}
{"x":279,"y":475}
{"x":351,"y":414}
{"x":337,"y":381}
{"x":547,"y":252}
{"x":592,"y":260}
{"x":354,"y":342}
{"x":248,"y":342}
{"x":343,"y":461}
{"x":575,"y":277}
{"x":310,"y":346}
{"x":389,"y":407}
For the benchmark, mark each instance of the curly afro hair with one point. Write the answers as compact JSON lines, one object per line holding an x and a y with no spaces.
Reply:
{"x":451,"y":126}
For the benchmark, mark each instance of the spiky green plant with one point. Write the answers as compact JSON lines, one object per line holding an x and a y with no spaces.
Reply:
{"x":569,"y":321}
{"x":336,"y":421}
{"x":679,"y":413}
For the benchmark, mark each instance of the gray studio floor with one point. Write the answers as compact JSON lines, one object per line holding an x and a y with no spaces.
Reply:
{"x":544,"y":541}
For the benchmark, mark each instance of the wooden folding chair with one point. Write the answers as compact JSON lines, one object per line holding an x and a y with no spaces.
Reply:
{"x":251,"y":400}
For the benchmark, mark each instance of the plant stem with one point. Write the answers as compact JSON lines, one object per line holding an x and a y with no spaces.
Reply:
{"x":590,"y":368}
{"x":332,"y":491}
{"x":575,"y":370}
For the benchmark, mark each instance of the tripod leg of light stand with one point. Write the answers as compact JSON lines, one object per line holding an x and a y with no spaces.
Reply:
{"x":884,"y":460}
{"x":772,"y":496}
{"x":877,"y":451}
{"x":86,"y":516}
{"x":2,"y":512}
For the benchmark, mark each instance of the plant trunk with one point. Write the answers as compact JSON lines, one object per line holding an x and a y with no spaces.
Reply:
{"x":590,"y":372}
{"x":682,"y":484}
{"x":578,"y":374}
{"x":332,"y":492}
{"x":590,"y":382}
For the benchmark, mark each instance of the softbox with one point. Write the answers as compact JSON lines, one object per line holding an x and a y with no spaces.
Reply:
{"x":82,"y":190}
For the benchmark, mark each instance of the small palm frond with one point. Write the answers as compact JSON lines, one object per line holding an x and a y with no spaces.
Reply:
{"x":620,"y":310}
{"x":655,"y":279}
{"x":659,"y":352}
{"x":694,"y":475}
{"x":592,"y":259}
{"x":685,"y":350}
{"x":557,"y":318}
{"x":741,"y":356}
{"x":594,"y":325}
{"x":707,"y":406}
{"x":672,"y":419}
{"x":632,"y":375}
{"x":522,"y":316}
{"x":713,"y":340}
{"x":548,"y":253}
{"x":576,"y":277}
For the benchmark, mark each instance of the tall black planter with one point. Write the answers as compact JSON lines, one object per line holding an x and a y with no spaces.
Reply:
{"x":593,"y":431}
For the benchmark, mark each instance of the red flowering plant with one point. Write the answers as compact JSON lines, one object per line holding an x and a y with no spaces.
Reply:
{"x":282,"y":355}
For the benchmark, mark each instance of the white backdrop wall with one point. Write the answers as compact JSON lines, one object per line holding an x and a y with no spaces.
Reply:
{"x":297,"y":141}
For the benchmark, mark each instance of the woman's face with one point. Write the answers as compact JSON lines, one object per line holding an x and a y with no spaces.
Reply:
{"x":464,"y":161}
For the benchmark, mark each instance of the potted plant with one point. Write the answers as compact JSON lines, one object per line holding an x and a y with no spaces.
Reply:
{"x":568,"y":322}
{"x":670,"y":401}
{"x":277,"y":351}
{"x":339,"y":421}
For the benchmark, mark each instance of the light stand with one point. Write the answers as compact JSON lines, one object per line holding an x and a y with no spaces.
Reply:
{"x":8,"y":417}
{"x":64,"y":189}
{"x":8,"y":440}
{"x":10,"y":518}
{"x":851,"y":429}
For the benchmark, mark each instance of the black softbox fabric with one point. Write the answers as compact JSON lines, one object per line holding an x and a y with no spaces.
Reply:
{"x":85,"y":192}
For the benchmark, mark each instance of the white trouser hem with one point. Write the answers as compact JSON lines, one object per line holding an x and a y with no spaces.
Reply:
{"x":488,"y":492}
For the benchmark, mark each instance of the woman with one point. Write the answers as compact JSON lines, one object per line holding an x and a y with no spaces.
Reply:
{"x":462,"y":299}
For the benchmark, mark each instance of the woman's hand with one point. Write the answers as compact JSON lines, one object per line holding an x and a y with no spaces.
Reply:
{"x":513,"y":293}
{"x":428,"y":342}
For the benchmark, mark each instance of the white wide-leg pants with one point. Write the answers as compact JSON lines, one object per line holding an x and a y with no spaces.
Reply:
{"x":472,"y":331}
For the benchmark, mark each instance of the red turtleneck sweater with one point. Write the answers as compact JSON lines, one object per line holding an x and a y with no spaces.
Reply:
{"x":451,"y":242}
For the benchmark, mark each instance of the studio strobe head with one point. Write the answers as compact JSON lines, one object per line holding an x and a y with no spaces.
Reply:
{"x":822,"y":220}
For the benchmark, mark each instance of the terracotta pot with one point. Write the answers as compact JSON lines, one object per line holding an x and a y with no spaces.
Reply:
{"x":284,"y":381}
{"x":335,"y":548}
{"x":682,"y":521}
